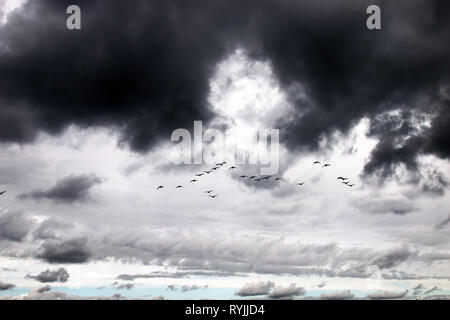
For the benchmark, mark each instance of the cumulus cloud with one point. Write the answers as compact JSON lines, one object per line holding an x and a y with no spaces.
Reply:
{"x":6,"y":286}
{"x":59,"y":275}
{"x":68,"y":251}
{"x":68,"y":190}
{"x":255,"y":289}
{"x":337,"y":295}
{"x":14,"y":226}
{"x":286,"y":292}
{"x":387,"y":295}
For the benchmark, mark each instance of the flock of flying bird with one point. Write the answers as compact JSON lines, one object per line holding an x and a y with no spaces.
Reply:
{"x":344,"y":180}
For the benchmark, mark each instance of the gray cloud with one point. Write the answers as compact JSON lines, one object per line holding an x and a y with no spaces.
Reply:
{"x":393,"y":257}
{"x":288,"y":292}
{"x":435,"y":288}
{"x":175,"y":275}
{"x":442,"y":224}
{"x":68,"y":251}
{"x":6,"y":286}
{"x":255,"y":289}
{"x":51,"y":228}
{"x":186,"y":288}
{"x":381,"y":206}
{"x":46,"y":288}
{"x":67,"y":190}
{"x":59,"y":275}
{"x":125,"y":286}
{"x":337,"y":295}
{"x":387,"y":295}
{"x":14,"y":226}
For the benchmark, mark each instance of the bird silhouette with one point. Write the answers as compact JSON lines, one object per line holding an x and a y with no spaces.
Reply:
{"x":193,"y":180}
{"x":232,"y":167}
{"x":276,"y":179}
{"x":345,"y":182}
{"x":301,"y":183}
{"x":199,"y":174}
{"x":326,"y":165}
{"x":160,"y":187}
{"x":213,"y":196}
{"x":2,"y":193}
{"x":207,"y":171}
{"x":243,"y":176}
{"x":178,"y":187}
{"x":316,"y":162}
{"x":342,"y":178}
{"x":209,"y":191}
{"x":252,"y":177}
{"x":351,"y":185}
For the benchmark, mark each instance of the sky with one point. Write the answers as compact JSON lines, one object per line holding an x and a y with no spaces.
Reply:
{"x":87,"y":122}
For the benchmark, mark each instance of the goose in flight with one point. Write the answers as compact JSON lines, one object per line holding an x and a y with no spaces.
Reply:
{"x":160,"y":187}
{"x":342,"y":178}
{"x":252,"y":177}
{"x":2,"y":193}
{"x":316,"y":162}
{"x":301,"y":183}
{"x":178,"y":187}
{"x":199,"y":174}
{"x":193,"y":180}
{"x":213,"y":196}
{"x":209,"y":191}
{"x":276,"y":179}
{"x":345,"y":182}
{"x":326,"y":165}
{"x":207,"y":171}
{"x":243,"y":176}
{"x":232,"y":167}
{"x":351,"y":185}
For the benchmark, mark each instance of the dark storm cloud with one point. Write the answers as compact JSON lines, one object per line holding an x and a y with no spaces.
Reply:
{"x":68,"y":251}
{"x":69,"y":189}
{"x":14,"y":226}
{"x":6,"y":286}
{"x":144,"y":69}
{"x":59,"y":275}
